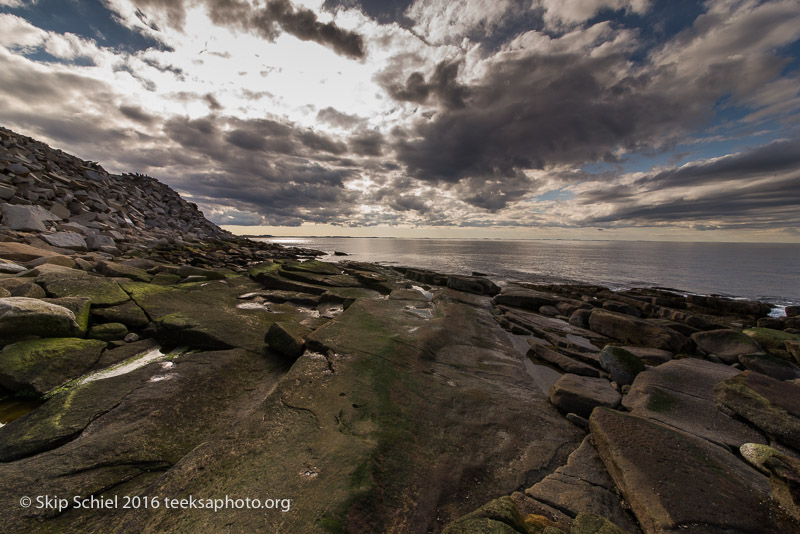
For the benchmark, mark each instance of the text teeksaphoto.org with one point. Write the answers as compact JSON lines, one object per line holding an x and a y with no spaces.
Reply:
{"x":139,"y":502}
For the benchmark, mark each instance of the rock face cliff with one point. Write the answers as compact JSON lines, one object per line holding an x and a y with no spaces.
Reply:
{"x":75,"y":204}
{"x":158,"y":375}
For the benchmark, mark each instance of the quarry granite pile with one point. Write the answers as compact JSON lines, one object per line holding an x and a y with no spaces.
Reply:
{"x":188,"y":364}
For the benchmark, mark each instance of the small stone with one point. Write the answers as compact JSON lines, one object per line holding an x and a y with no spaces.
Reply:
{"x":133,"y":337}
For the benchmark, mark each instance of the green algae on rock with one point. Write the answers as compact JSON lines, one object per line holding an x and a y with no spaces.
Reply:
{"x":39,"y":365}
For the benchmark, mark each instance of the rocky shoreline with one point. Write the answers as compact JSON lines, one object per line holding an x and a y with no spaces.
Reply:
{"x":145,"y":352}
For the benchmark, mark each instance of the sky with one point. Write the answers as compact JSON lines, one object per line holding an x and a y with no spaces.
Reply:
{"x":535,"y":119}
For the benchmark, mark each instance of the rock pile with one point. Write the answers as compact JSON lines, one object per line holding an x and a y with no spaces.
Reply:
{"x":52,"y":197}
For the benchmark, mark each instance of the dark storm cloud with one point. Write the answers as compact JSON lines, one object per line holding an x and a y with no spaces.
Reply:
{"x":335,"y":117}
{"x":757,"y":188}
{"x":137,"y":114}
{"x":277,"y":170}
{"x":268,"y":22}
{"x":442,"y":86}
{"x":409,"y":203}
{"x":776,"y":157}
{"x":367,"y":143}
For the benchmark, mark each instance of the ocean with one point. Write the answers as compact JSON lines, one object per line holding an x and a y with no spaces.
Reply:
{"x":768,"y":272}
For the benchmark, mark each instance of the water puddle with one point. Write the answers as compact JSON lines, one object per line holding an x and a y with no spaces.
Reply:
{"x":253,"y":306}
{"x":125,"y":367}
{"x":424,"y":313}
{"x":14,"y":408}
{"x":427,"y":294}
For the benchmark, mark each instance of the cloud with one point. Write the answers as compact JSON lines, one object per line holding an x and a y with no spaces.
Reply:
{"x":335,"y":117}
{"x":137,"y":114}
{"x":448,"y":21}
{"x":267,"y":21}
{"x":561,"y":13}
{"x":441,"y":86}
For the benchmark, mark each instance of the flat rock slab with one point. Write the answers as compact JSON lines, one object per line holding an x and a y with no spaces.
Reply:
{"x":584,"y":486}
{"x":526,"y":298}
{"x":581,"y":394}
{"x":680,"y":394}
{"x":550,"y":356}
{"x":771,"y":405}
{"x":400,"y":423}
{"x":678,"y":483}
{"x":39,"y":365}
{"x":117,"y":435}
{"x":207,"y":314}
{"x":22,"y":252}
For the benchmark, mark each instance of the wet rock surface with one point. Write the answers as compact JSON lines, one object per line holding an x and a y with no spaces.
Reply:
{"x":144,"y":351}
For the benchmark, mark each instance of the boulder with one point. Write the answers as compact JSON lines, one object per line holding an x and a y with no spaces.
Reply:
{"x":7,"y":191}
{"x":581,"y":394}
{"x":793,"y":349}
{"x":100,"y":290}
{"x":725,"y":344}
{"x":26,"y":218}
{"x":129,"y":314}
{"x":580,"y":318}
{"x":636,"y":331}
{"x":792,"y":311}
{"x":21,"y":252}
{"x":39,"y":365}
{"x":621,"y":307}
{"x":649,"y":355}
{"x":28,"y":289}
{"x":770,"y":365}
{"x":99,"y":241}
{"x":22,"y":317}
{"x":622,"y":365}
{"x":122,"y":270}
{"x":680,"y":394}
{"x":769,"y":404}
{"x":69,"y":240}
{"x":473,"y":284}
{"x":7,"y":267}
{"x":526,"y":298}
{"x":675,"y":482}
{"x":771,"y":340}
{"x":287,"y":338}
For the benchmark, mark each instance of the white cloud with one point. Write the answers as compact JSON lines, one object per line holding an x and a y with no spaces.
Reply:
{"x":448,"y":21}
{"x":565,"y":13}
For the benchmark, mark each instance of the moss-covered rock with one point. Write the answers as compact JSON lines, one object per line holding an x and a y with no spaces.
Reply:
{"x":594,"y":524}
{"x":771,"y":340}
{"x":108,"y":331}
{"x":500,"y":516}
{"x":128,"y":314}
{"x":80,"y":306}
{"x":207,"y":315}
{"x":100,"y":290}
{"x":165,"y":279}
{"x":622,"y":365}
{"x":39,"y":365}
{"x":312,"y":266}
